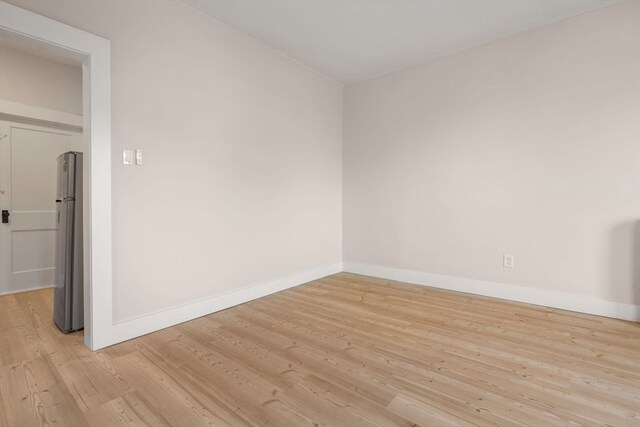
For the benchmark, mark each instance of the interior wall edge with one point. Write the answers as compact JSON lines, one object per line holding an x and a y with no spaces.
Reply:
{"x":547,"y":298}
{"x":132,"y":328}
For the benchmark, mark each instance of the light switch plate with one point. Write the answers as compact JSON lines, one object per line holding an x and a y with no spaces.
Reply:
{"x":127,"y":157}
{"x":139,"y":157}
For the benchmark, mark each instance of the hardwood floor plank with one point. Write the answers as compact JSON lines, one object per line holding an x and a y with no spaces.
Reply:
{"x":11,"y":313}
{"x":424,"y":413}
{"x":343,"y":350}
{"x":346,"y":373}
{"x":17,"y":344}
{"x":32,"y":395}
{"x":349,"y":400}
{"x":461,"y":333}
{"x":255,"y":357}
{"x":128,"y":410}
{"x":93,"y":382}
{"x":164,"y":393}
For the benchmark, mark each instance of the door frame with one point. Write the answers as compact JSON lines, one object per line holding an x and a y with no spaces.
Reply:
{"x":95,"y":54}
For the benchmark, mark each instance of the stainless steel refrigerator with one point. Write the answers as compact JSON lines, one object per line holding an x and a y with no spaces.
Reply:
{"x":68,"y":301}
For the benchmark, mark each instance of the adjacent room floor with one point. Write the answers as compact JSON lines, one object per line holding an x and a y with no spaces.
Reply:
{"x":346,"y":350}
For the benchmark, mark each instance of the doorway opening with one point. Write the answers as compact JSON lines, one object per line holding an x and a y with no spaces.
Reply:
{"x":41,"y":238}
{"x":35,"y":136}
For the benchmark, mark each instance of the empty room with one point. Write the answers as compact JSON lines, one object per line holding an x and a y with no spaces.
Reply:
{"x":319,"y":213}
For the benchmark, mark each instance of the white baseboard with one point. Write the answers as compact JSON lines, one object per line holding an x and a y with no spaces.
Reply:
{"x":19,"y":291}
{"x":152,"y":322}
{"x":548,"y":298}
{"x":138,"y":326}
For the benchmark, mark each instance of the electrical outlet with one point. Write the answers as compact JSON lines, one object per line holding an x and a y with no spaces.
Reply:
{"x":507,"y":260}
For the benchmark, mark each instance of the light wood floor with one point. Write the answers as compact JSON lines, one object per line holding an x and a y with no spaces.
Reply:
{"x":343,"y":351}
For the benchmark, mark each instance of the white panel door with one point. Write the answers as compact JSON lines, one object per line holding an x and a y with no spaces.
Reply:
{"x":28,"y":191}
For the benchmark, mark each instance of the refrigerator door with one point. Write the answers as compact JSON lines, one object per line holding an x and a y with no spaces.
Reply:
{"x":60,"y":178}
{"x":68,"y":303}
{"x":72,"y":175}
{"x":77,"y":278}
{"x":64,"y":256}
{"x":62,"y":191}
{"x":66,"y":176}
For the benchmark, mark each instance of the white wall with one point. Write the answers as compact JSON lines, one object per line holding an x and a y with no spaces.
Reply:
{"x":32,"y":80}
{"x":241,"y":180}
{"x":529,"y":145}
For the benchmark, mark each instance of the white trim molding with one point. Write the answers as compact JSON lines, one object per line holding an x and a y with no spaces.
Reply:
{"x":12,"y":110}
{"x":95,"y":54}
{"x":138,"y":326}
{"x":34,"y":288}
{"x":547,"y":298}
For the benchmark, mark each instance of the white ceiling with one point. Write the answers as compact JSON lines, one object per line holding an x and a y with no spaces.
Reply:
{"x":354,"y":40}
